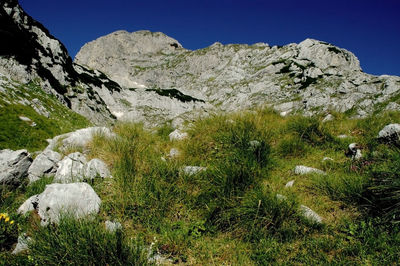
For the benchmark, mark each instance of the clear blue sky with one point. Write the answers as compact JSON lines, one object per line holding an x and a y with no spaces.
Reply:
{"x":368,"y":28}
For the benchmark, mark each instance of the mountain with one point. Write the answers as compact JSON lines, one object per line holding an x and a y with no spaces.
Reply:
{"x":162,"y":79}
{"x":30,"y":54}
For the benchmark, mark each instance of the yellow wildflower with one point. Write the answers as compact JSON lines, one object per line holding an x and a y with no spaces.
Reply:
{"x":7,"y":219}
{"x":11,"y":222}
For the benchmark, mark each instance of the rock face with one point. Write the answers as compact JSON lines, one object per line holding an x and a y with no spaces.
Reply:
{"x":162,"y":80}
{"x":14,"y":166}
{"x":28,"y":52}
{"x":76,"y":199}
{"x":43,"y":165}
{"x":96,"y":168}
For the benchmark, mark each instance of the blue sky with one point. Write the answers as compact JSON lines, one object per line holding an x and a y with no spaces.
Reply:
{"x":370,"y":29}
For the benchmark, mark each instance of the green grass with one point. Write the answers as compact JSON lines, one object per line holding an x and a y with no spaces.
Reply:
{"x":17,"y":134}
{"x":230,"y":214}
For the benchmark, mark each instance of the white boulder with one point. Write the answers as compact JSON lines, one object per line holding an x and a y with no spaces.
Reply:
{"x":96,"y":168}
{"x":45,"y":164}
{"x":390,"y":133}
{"x":14,"y":166}
{"x":75,"y":199}
{"x":71,"y":168}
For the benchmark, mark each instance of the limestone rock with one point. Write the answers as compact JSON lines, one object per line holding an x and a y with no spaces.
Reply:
{"x":177,"y":135}
{"x":303,"y":170}
{"x":192,"y":170}
{"x":71,"y":168}
{"x":96,"y":168}
{"x":45,"y":164}
{"x":79,"y":138}
{"x":14,"y":166}
{"x":22,"y":245}
{"x":174,"y":153}
{"x":311,"y":215}
{"x":113,"y":226}
{"x":29,"y":205}
{"x":75,"y":199}
{"x":390,"y":133}
{"x":289,"y":184}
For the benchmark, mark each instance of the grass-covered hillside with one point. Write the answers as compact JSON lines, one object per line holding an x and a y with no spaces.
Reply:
{"x":47,"y":116}
{"x":229,"y":213}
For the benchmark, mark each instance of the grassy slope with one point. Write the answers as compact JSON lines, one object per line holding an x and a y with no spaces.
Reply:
{"x":229,"y":214}
{"x":17,"y":134}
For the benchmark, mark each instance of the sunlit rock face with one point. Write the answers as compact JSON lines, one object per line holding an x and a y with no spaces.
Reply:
{"x":156,"y":74}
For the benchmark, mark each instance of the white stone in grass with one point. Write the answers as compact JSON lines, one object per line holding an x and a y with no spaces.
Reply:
{"x":75,"y":199}
{"x":113,"y":226}
{"x":25,"y":119}
{"x":310,"y":215}
{"x":281,"y":197}
{"x":96,"y":168}
{"x":327,"y":159}
{"x":303,"y":170}
{"x":192,"y":170}
{"x":327,"y":118}
{"x":174,"y":153}
{"x":14,"y":166}
{"x":22,"y":245}
{"x":343,"y":136}
{"x":289,"y":184}
{"x":177,"y":135}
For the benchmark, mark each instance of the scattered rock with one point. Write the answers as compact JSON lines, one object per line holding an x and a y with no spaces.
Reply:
{"x":327,"y":118}
{"x":390,"y":133}
{"x":354,"y":151}
{"x":281,"y":197}
{"x":79,"y":138}
{"x":96,"y":168}
{"x":192,"y":170}
{"x":303,"y":170}
{"x":76,"y":199}
{"x":113,"y":226}
{"x":327,"y":159}
{"x":45,"y":164}
{"x":25,"y":119}
{"x":343,"y":136}
{"x":14,"y":166}
{"x":71,"y":168}
{"x":29,"y":205}
{"x":177,"y":135}
{"x":289,"y":184}
{"x":22,"y":245}
{"x":310,"y":214}
{"x":174,"y":153}
{"x":254,"y":144}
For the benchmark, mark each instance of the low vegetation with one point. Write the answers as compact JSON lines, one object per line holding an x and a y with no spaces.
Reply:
{"x":230,"y":213}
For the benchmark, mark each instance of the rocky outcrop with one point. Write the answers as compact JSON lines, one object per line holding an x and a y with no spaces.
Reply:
{"x":75,"y":199}
{"x":28,"y":52}
{"x":14,"y":166}
{"x":163,"y":81}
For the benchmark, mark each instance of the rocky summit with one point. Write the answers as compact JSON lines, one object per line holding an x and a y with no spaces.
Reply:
{"x":161,"y":79}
